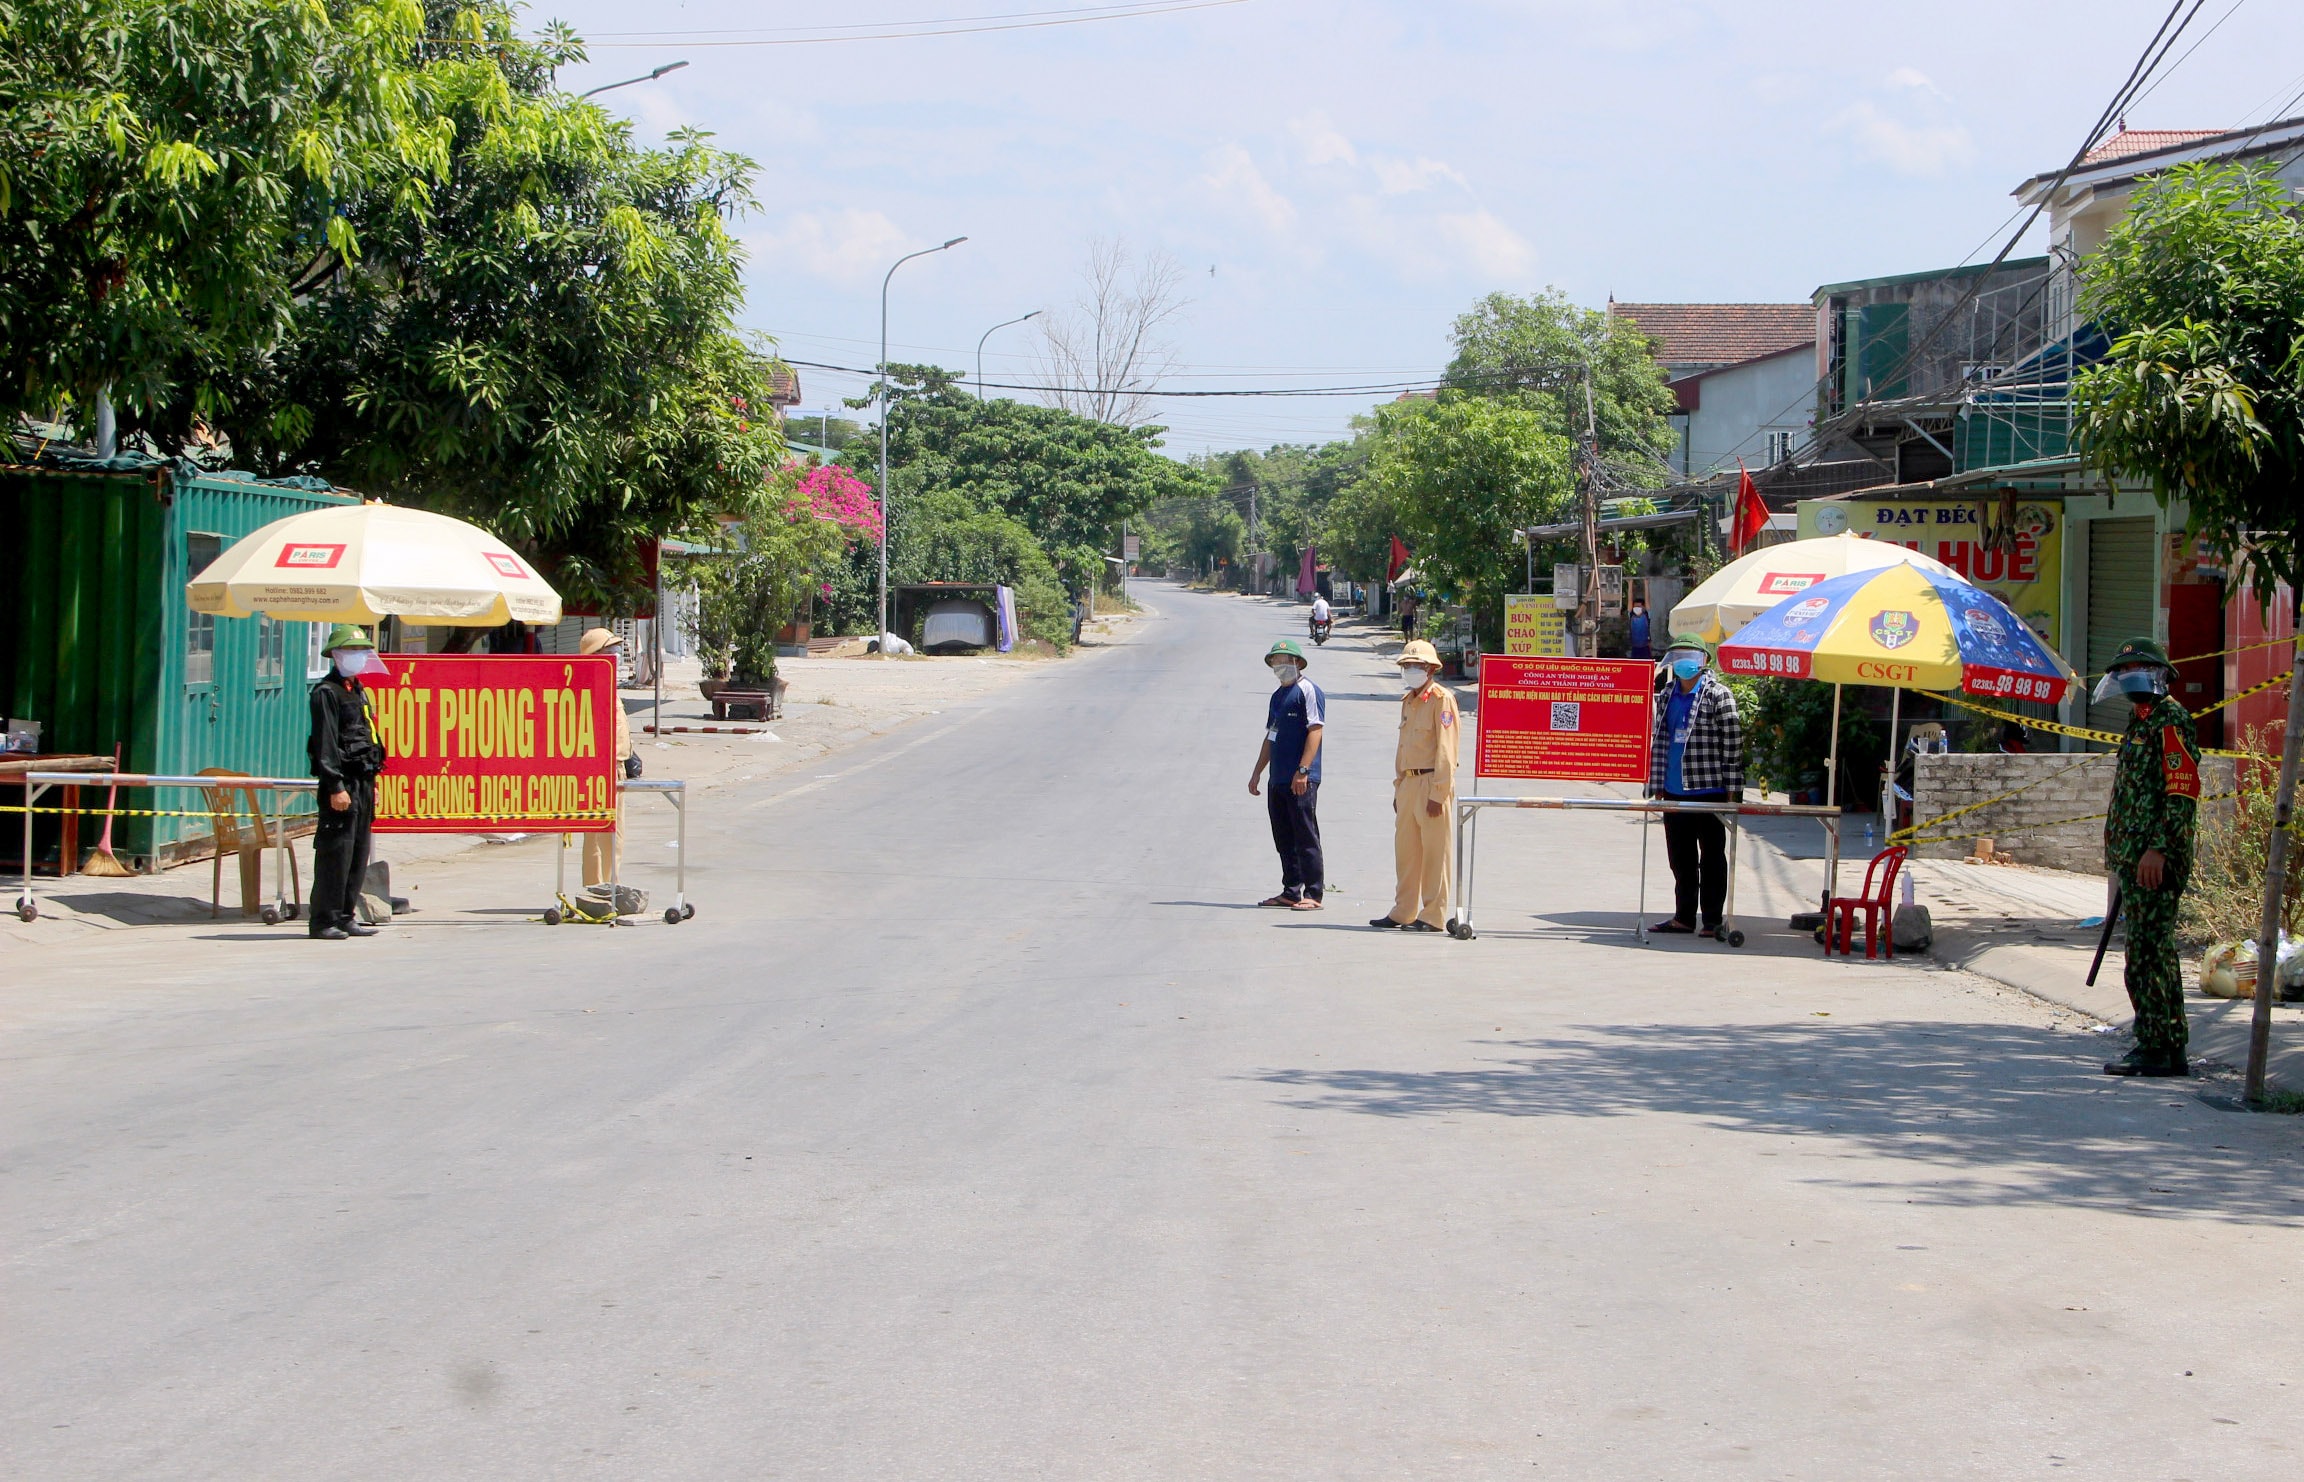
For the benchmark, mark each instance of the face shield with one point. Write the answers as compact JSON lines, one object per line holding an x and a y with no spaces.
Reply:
{"x":2136,"y":682}
{"x":353,"y":663}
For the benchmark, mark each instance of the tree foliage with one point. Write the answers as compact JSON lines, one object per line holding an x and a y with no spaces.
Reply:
{"x":759,"y":584}
{"x":171,"y":173}
{"x":2202,"y":289}
{"x":1535,"y":352}
{"x":1068,"y":479}
{"x":1461,"y":473}
{"x":372,"y":240}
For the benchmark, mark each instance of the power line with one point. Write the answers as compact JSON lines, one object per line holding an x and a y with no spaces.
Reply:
{"x":909,"y":30}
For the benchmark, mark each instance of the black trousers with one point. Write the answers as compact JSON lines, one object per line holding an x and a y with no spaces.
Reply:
{"x":1296,"y":834}
{"x":1697,"y":846}
{"x":340,"y":856}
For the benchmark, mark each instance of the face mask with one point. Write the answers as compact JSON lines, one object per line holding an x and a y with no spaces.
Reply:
{"x":1686,"y":667}
{"x":2143,"y":683}
{"x":354,"y":662}
{"x":1287,"y":674}
{"x":1415,"y":677}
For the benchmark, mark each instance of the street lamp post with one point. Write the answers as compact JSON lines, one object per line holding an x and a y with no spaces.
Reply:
{"x":627,"y":82}
{"x":980,"y":339}
{"x":886,"y":504}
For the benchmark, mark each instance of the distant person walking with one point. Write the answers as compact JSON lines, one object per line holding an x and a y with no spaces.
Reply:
{"x":1408,"y":607}
{"x":1295,"y":722}
{"x":1697,"y":756}
{"x":1423,"y":794}
{"x":1640,"y":631}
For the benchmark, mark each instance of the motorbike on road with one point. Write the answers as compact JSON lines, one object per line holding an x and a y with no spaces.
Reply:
{"x":1320,"y":627}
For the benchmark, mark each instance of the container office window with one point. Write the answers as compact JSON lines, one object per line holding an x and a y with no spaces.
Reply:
{"x":200,"y":627}
{"x":315,"y":661}
{"x":271,"y":651}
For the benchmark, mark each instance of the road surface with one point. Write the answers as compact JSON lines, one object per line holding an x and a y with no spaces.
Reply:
{"x":975,"y":1128}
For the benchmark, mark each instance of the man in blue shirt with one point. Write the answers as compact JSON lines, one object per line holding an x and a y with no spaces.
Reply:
{"x":1639,"y":635}
{"x":1294,"y":722}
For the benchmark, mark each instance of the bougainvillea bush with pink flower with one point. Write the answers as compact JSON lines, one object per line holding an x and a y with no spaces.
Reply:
{"x":831,"y":492}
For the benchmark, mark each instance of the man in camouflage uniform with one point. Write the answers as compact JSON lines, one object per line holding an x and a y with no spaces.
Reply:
{"x":2148,"y":847}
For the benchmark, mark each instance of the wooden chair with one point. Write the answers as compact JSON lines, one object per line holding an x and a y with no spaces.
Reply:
{"x":224,"y":803}
{"x":1878,"y":906}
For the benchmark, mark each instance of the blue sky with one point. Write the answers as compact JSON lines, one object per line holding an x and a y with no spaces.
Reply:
{"x":1357,"y":173}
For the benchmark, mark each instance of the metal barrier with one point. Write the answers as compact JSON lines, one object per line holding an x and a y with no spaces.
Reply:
{"x":1467,"y":845}
{"x":36,"y":783}
{"x":675,"y":792}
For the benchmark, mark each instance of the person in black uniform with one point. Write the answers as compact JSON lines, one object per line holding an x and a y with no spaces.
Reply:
{"x":346,"y":759}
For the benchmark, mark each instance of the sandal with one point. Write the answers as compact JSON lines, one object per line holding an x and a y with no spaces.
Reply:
{"x":1306,"y":904}
{"x":1673,"y":928}
{"x":1280,"y":900}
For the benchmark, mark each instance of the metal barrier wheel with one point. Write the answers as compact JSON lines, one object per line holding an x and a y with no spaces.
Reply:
{"x":25,"y":909}
{"x":1735,"y":939}
{"x":552,"y":916}
{"x":672,"y":916}
{"x":271,"y":915}
{"x":687,"y":913}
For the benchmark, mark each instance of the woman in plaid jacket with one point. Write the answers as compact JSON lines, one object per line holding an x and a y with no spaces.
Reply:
{"x":1697,"y":756}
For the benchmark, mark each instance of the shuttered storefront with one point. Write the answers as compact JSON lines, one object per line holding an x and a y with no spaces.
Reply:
{"x":2121,"y":582}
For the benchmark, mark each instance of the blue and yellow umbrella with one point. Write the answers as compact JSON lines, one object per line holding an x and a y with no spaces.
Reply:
{"x":1902,"y":627}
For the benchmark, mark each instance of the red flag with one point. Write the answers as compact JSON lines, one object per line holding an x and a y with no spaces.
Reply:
{"x":1399,"y":559}
{"x":1751,"y":513}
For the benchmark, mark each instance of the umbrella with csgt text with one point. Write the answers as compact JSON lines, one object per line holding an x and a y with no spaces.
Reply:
{"x":1903,"y":627}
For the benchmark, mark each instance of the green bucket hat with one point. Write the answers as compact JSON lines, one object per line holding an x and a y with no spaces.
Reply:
{"x":347,"y":635}
{"x":2138,"y":651}
{"x":1286,"y":646}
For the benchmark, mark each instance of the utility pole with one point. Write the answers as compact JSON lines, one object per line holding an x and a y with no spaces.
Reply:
{"x":1588,"y":491}
{"x":1255,"y":566}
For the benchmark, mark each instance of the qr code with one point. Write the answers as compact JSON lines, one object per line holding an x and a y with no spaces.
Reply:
{"x":1567,"y":715}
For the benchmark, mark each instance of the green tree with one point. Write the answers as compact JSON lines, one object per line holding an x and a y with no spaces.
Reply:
{"x":173,"y":171}
{"x":1066,"y":478}
{"x":1461,"y":473}
{"x":757,"y":586}
{"x":542,"y":340}
{"x":2202,"y":288}
{"x":1537,"y":352}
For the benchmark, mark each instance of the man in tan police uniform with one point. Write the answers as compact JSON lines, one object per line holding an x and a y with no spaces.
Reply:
{"x":604,"y":853}
{"x":1423,"y":795}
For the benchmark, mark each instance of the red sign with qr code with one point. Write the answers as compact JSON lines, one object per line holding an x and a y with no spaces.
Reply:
{"x":1567,"y":720}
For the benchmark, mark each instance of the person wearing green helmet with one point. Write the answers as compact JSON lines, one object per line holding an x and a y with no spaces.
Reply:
{"x":1295,"y":722}
{"x":346,"y":759}
{"x":2148,"y":847}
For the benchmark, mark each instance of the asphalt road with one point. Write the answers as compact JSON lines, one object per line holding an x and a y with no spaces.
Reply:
{"x":975,"y":1128}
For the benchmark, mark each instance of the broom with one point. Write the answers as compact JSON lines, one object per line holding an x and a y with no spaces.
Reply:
{"x":104,"y":861}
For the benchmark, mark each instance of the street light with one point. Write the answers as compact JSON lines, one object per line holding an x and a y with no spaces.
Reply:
{"x":886,"y":503}
{"x":627,"y":82}
{"x":1003,"y":324}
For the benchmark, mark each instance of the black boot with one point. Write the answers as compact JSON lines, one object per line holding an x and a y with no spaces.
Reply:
{"x":2131,"y":1063}
{"x":2167,"y":1067}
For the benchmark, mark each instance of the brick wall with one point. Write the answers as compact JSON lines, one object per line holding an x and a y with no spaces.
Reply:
{"x":1955,"y":779}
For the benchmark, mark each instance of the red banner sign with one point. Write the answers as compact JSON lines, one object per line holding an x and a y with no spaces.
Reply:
{"x":483,"y":744}
{"x":1570,"y":720}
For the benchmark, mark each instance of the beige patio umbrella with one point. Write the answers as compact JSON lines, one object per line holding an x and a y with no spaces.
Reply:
{"x":359,"y":563}
{"x":1742,"y":590}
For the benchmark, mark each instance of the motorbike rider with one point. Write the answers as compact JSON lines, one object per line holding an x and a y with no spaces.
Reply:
{"x":1322,"y":616}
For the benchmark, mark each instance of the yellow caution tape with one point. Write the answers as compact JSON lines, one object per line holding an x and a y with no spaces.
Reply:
{"x":2054,"y":728}
{"x":2034,"y":828}
{"x":2254,"y":689}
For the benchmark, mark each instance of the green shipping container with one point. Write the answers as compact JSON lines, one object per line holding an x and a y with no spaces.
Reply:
{"x":97,"y":644}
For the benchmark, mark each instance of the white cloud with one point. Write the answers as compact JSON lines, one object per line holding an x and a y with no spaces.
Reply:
{"x":848,"y":246}
{"x":1322,"y":144}
{"x":1915,"y":80}
{"x":1233,"y":175}
{"x":1400,"y":177}
{"x":1490,"y":246}
{"x":1916,"y":149}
